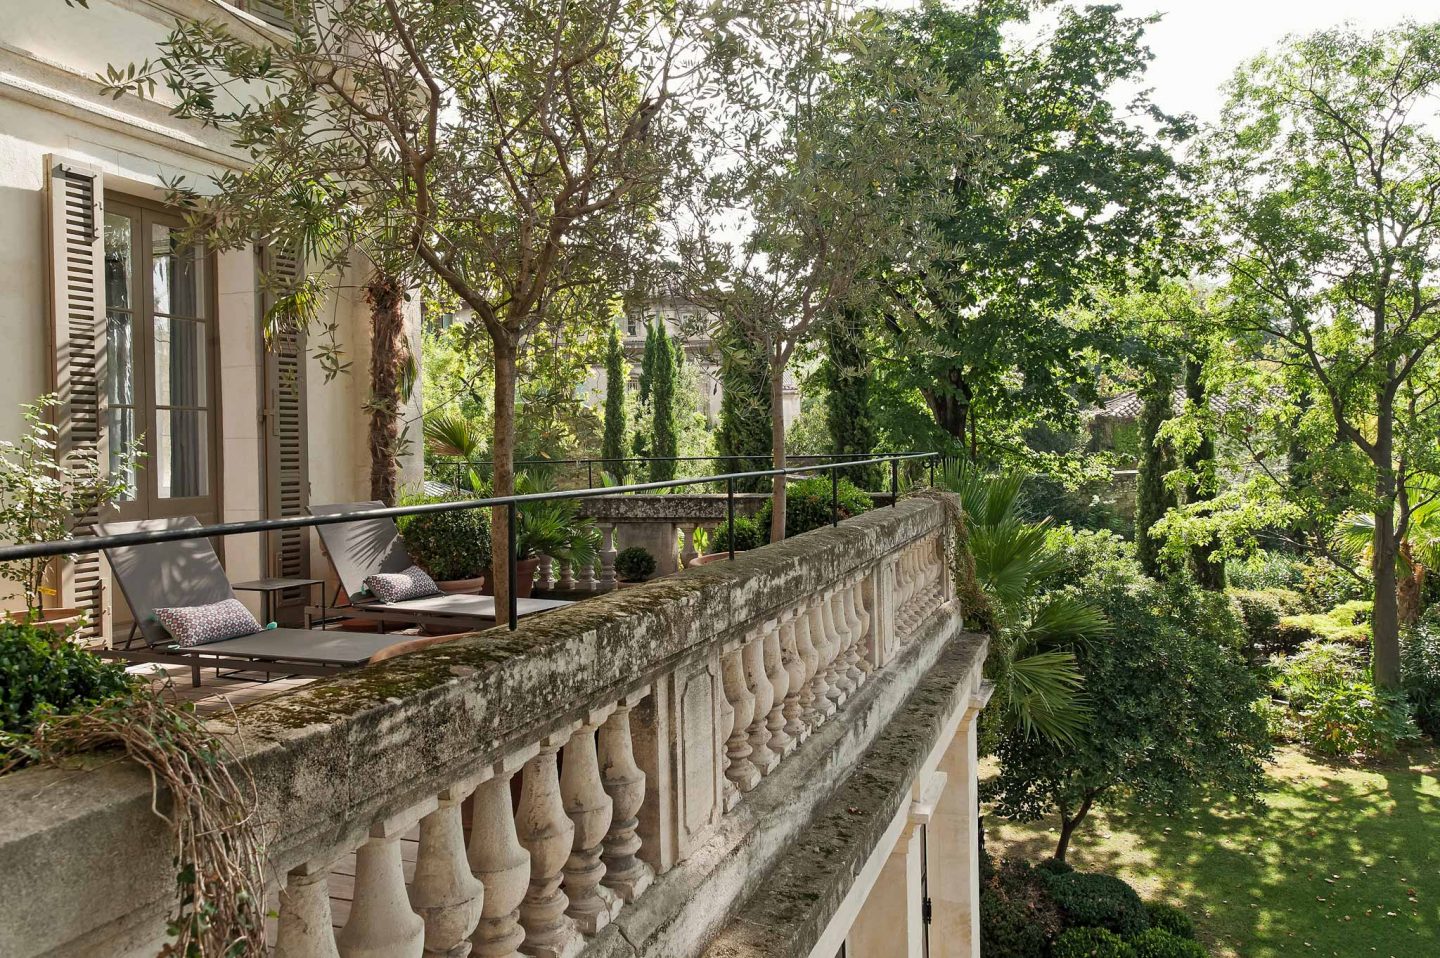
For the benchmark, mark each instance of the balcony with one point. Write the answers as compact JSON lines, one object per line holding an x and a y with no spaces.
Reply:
{"x":736,"y":760}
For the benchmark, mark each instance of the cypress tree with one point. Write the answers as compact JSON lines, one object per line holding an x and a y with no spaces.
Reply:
{"x":744,"y":407}
{"x":612,"y":446}
{"x":845,"y":374}
{"x":1153,"y":498}
{"x":662,"y":396}
{"x":1200,"y":463}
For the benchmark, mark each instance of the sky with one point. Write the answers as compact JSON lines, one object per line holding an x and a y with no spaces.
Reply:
{"x":1199,"y":43}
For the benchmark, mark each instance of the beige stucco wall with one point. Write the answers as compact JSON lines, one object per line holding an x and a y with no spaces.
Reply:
{"x":50,"y":106}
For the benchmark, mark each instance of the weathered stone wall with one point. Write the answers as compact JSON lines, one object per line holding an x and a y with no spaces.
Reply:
{"x":355,"y":761}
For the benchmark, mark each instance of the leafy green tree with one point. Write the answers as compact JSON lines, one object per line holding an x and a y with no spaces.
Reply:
{"x":1153,"y":496}
{"x":1324,"y":173}
{"x":1080,"y":191}
{"x":617,"y":378}
{"x":1172,"y":718}
{"x":1201,"y":471}
{"x":744,"y":428}
{"x":666,"y":427}
{"x":845,"y":374}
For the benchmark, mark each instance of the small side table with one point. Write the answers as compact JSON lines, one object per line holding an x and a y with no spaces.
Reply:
{"x":268,"y":588}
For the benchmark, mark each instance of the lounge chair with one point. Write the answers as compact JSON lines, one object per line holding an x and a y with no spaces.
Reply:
{"x":187,"y":572}
{"x":367,"y":546}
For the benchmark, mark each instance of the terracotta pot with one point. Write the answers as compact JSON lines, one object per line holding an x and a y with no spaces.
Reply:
{"x":61,"y":620}
{"x":714,"y":557}
{"x":525,"y":570}
{"x":462,"y":586}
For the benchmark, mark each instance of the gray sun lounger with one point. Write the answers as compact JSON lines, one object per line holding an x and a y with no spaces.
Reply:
{"x":159,"y":575}
{"x":367,"y":546}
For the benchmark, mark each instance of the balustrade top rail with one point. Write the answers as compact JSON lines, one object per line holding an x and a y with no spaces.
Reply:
{"x":91,"y":544}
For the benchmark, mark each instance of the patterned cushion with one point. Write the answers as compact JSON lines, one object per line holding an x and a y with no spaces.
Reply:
{"x":198,"y":624}
{"x":413,"y":583}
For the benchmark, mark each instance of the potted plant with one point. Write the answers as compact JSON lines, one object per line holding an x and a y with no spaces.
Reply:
{"x":44,"y":496}
{"x":634,"y":565}
{"x":454,"y":547}
{"x":552,"y":527}
{"x":746,"y":535}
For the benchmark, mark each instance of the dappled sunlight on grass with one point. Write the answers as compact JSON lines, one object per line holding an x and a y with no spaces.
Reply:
{"x":1340,"y":861}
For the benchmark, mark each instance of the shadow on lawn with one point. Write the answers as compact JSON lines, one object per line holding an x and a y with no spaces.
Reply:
{"x":1344,"y":859}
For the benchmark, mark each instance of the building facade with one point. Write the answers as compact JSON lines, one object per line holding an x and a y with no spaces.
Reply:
{"x":147,"y":340}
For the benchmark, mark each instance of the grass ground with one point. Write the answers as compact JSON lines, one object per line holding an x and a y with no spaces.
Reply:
{"x":1341,"y":861}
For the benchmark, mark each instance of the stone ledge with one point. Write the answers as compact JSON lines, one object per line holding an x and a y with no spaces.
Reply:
{"x":786,"y":913}
{"x":900,"y":706}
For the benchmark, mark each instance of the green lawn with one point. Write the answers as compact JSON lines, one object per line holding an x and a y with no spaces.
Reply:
{"x":1340,"y":861}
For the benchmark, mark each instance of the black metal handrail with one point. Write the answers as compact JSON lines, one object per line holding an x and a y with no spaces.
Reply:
{"x":89,"y":544}
{"x":458,"y":462}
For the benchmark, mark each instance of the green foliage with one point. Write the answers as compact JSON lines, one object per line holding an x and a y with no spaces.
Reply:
{"x":1079,"y":505}
{"x":1160,"y":943}
{"x":448,"y":545}
{"x":1018,"y":918}
{"x":807,"y":505}
{"x":42,"y":675}
{"x":1153,"y":496}
{"x":634,"y":564}
{"x":1091,"y":943}
{"x":46,"y":490}
{"x":617,"y":378}
{"x":1265,"y":569}
{"x":744,"y":407}
{"x":1333,"y":707}
{"x":1420,"y":671}
{"x":748,"y":535}
{"x":1173,"y":714}
{"x":1099,"y":901}
{"x":845,"y":374}
{"x":1347,"y":622}
{"x":665,"y":427}
{"x":1261,"y":611}
{"x":553,"y":527}
{"x":649,"y":360}
{"x":1169,"y":919}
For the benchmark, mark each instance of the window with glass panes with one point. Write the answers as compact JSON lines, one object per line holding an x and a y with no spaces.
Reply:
{"x":159,"y":361}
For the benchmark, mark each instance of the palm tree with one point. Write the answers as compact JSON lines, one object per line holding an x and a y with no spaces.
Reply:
{"x":1038,"y":684}
{"x":1418,"y":522}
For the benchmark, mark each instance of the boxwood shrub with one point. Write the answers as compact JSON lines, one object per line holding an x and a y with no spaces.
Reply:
{"x":1159,"y":943}
{"x":1091,"y":943}
{"x":1099,"y":901}
{"x":747,"y":536}
{"x":807,"y":505}
{"x":634,"y":564}
{"x":1171,"y":919}
{"x":41,"y":673}
{"x":1018,"y":918}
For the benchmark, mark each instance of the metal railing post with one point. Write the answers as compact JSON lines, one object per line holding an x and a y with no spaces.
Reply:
{"x":730,"y":514}
{"x":894,"y":481}
{"x":834,"y":496}
{"x":932,"y":473}
{"x":513,"y":573}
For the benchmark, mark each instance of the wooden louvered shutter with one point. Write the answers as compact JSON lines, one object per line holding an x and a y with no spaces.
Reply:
{"x":77,"y":330}
{"x":287,"y":473}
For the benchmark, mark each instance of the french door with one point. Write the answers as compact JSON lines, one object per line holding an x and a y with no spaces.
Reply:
{"x":160,"y":368}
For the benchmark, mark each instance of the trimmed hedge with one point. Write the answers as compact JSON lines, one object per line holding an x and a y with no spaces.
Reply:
{"x":634,"y":564}
{"x":1091,"y":943}
{"x":747,"y":536}
{"x":1169,"y":918}
{"x":1159,"y":943}
{"x":1018,"y":918}
{"x":1099,"y":901}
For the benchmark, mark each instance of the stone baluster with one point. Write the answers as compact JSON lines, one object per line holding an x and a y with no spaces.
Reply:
{"x":304,"y":928}
{"x":824,"y":705}
{"x":544,"y":573}
{"x":548,"y":834}
{"x":854,"y":654}
{"x":688,"y":552}
{"x":591,"y":905}
{"x":625,"y":874}
{"x":608,"y":552}
{"x":567,"y":576}
{"x":588,"y":581}
{"x":502,"y":865}
{"x":840,"y":684}
{"x":779,"y":675}
{"x":730,"y":795}
{"x":810,"y":658}
{"x":796,"y":679}
{"x":741,"y":770}
{"x":444,"y":892}
{"x":869,"y":654}
{"x":761,"y":755}
{"x":382,"y":924}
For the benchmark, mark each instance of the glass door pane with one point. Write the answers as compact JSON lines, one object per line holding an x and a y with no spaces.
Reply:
{"x":181,"y":365}
{"x":120,"y":341}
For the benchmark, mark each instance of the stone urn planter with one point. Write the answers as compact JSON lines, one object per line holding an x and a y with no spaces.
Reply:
{"x":476,"y":586}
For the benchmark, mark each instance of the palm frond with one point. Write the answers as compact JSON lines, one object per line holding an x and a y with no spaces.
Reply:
{"x":448,"y":433}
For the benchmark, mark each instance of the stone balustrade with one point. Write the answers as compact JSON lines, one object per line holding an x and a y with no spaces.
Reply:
{"x":579,"y":785}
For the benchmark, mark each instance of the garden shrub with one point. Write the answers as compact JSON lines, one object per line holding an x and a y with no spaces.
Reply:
{"x":448,"y":545}
{"x":1356,"y":718}
{"x":1055,"y":866}
{"x":1347,"y":622}
{"x":1170,"y":919}
{"x":1159,"y":943}
{"x":1420,"y":672}
{"x":1314,"y":667}
{"x":41,"y":674}
{"x":807,"y":505}
{"x":1099,"y":901}
{"x":1326,"y":586}
{"x":1018,"y":918}
{"x":1264,"y":570}
{"x":1261,"y":611}
{"x":1090,"y":943}
{"x":1087,"y":554}
{"x":747,"y":536}
{"x":634,"y":564}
